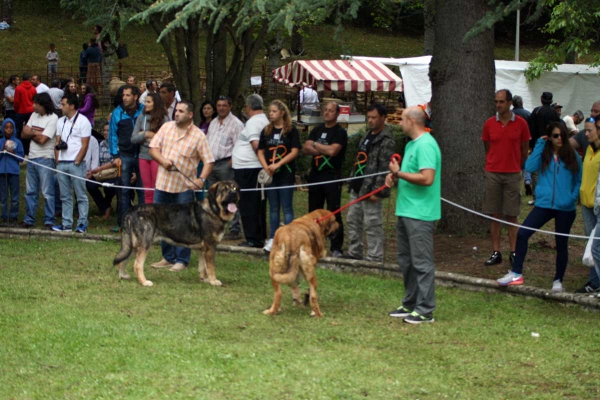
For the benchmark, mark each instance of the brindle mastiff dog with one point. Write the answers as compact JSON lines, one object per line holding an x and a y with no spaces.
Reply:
{"x":197,"y":225}
{"x":296,"y":249}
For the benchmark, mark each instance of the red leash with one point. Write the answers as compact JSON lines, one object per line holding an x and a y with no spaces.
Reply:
{"x":366,"y":196}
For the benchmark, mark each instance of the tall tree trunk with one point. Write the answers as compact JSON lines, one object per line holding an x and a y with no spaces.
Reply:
{"x":429,"y":22}
{"x":463,"y":79}
{"x":297,"y":45}
{"x":219,"y":64}
{"x":273,"y":45}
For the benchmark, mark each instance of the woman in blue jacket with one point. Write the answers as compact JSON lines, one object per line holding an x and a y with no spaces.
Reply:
{"x":9,"y":171}
{"x":559,"y":169}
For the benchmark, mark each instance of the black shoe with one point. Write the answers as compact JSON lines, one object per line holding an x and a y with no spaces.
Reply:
{"x":401,"y":312}
{"x":248,"y":243}
{"x":26,"y":225}
{"x":495,"y":258}
{"x":588,"y":288}
{"x":416,"y":318}
{"x":233,"y":236}
{"x":511,"y":258}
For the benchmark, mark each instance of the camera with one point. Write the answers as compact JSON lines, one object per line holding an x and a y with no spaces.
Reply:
{"x":62,"y":145}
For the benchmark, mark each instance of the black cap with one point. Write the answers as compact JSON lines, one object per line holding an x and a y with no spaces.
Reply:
{"x":547,"y":96}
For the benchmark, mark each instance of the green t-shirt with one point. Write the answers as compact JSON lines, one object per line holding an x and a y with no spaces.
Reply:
{"x":421,"y":202}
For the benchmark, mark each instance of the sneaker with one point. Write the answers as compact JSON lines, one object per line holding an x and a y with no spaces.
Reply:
{"x":81,"y":228}
{"x":531,"y":202}
{"x":495,"y":258}
{"x":416,"y":318}
{"x":162,"y":264}
{"x":401,"y":312}
{"x":557,"y":286}
{"x":178,"y":267}
{"x":48,"y":227}
{"x":510,"y":279}
{"x":588,"y":288}
{"x":268,"y":246}
{"x":511,"y":258}
{"x":233,"y":236}
{"x":336,"y":254}
{"x":61,"y":228}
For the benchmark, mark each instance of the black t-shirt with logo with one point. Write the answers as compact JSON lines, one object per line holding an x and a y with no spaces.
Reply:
{"x":276,"y":147}
{"x":360,"y":162}
{"x":323,"y":164}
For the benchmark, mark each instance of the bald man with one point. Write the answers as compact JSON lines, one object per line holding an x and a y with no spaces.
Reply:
{"x":418,"y":206}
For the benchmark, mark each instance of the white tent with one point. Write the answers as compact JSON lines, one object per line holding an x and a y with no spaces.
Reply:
{"x":575,"y":86}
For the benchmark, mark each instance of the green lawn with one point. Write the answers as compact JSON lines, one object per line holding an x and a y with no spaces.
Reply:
{"x":71,"y":330}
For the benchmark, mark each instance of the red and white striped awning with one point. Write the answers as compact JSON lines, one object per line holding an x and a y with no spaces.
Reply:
{"x":339,"y":75}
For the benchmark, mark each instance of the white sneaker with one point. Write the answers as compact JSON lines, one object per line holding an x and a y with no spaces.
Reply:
{"x":557,"y":286}
{"x":336,"y":254}
{"x":268,"y":246}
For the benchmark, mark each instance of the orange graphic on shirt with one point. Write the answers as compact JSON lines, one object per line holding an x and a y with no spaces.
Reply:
{"x":361,"y":163}
{"x":275,"y":155}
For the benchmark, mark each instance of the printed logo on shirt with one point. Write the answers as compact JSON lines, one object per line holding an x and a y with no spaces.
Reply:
{"x":360,"y":163}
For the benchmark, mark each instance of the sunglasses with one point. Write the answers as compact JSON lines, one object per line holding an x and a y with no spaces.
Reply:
{"x":555,"y":135}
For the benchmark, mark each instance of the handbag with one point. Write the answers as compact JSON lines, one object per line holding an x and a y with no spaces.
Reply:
{"x":588,"y":258}
{"x":264,"y":179}
{"x":106,"y":174}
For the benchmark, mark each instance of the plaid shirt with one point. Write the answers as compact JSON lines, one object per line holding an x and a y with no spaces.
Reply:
{"x":186,"y":152}
{"x":105,"y":156}
{"x":222,"y":137}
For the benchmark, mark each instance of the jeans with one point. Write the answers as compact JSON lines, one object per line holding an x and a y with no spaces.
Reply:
{"x":52,"y":72}
{"x":40,"y":179}
{"x":280,"y":198}
{"x":174,"y":254}
{"x":537,"y":218}
{"x":129,"y":166}
{"x":69,"y":184}
{"x":9,"y":183}
{"x":148,"y":172}
{"x":589,"y":222}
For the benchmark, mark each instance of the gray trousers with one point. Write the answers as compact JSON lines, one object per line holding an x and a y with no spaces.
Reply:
{"x":222,"y":171}
{"x":370,"y":215}
{"x":415,"y":258}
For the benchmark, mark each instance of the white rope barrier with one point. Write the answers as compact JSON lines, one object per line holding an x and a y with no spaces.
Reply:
{"x":105,"y":184}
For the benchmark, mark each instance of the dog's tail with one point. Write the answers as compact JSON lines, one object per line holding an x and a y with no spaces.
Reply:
{"x":126,"y":245}
{"x":288,"y":262}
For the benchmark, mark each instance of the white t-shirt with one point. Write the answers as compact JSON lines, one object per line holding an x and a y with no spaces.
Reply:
{"x":570,"y":124}
{"x":41,"y":88}
{"x":243,"y":155}
{"x":47,"y":125}
{"x":92,"y":157}
{"x":81,"y":129}
{"x":52,"y":57}
{"x":308,"y":95}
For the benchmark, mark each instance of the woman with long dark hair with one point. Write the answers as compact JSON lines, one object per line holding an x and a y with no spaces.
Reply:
{"x":90,"y":102}
{"x":278,"y":147}
{"x":208,"y":112}
{"x":559,"y":169}
{"x":146,"y":126}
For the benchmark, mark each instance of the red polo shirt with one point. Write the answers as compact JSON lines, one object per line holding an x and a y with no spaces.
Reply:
{"x":505,"y":143}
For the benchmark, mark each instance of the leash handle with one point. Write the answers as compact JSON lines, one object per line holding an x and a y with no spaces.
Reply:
{"x":395,"y":156}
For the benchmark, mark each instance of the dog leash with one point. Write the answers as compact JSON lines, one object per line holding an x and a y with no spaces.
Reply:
{"x":366,"y":196}
{"x":186,"y":177}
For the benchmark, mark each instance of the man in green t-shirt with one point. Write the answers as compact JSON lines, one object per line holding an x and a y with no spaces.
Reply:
{"x":418,"y":206}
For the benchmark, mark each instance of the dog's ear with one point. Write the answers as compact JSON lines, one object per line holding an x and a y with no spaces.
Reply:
{"x":212,"y":192}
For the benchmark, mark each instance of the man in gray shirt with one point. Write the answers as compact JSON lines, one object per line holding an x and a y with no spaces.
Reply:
{"x":56,"y":94}
{"x":9,"y":97}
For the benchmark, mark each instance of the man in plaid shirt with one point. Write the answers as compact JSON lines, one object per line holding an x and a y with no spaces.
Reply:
{"x":222,"y":134}
{"x":178,"y":147}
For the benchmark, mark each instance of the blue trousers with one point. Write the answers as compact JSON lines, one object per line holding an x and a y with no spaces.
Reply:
{"x":174,"y":254}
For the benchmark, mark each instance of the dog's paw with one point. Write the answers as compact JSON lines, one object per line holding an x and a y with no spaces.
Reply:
{"x":148,"y":283}
{"x":124,"y":276}
{"x":269,"y":312}
{"x":314,"y":314}
{"x":216,"y":282}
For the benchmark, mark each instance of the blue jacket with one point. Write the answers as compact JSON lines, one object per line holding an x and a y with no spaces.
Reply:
{"x":557,"y":187}
{"x":8,"y":163}
{"x":120,"y":130}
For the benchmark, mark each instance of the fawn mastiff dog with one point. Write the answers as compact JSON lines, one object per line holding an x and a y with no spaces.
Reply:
{"x":296,"y":249}
{"x":197,"y":225}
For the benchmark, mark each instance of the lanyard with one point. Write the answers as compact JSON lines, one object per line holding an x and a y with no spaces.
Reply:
{"x":72,"y":125}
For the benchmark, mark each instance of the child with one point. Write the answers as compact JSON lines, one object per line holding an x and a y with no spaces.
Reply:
{"x":52,"y":57}
{"x":9,"y":171}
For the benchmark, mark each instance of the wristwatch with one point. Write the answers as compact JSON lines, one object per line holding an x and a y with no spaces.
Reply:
{"x":315,"y":144}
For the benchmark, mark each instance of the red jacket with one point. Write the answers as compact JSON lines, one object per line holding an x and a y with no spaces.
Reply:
{"x":24,"y":94}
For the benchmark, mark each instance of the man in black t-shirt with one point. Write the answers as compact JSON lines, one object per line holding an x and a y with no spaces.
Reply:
{"x":327,"y":144}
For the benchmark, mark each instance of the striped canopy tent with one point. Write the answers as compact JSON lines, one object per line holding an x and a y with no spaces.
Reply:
{"x":339,"y":76}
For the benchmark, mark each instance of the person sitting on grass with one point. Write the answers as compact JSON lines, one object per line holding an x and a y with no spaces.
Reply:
{"x":9,"y":171}
{"x":557,"y":190}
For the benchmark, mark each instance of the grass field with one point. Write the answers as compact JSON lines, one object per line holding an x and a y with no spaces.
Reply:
{"x":71,"y":330}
